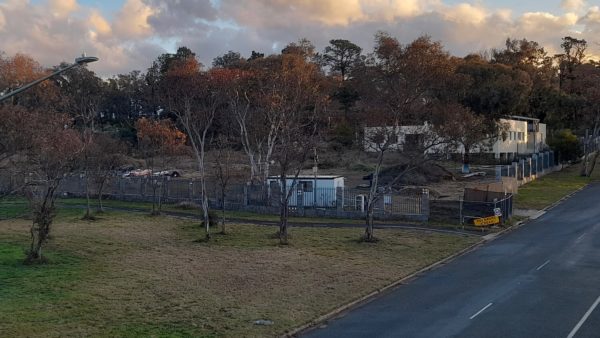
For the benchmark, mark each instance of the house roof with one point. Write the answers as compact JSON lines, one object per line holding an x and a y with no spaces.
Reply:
{"x":523,"y":118}
{"x":309,"y":177}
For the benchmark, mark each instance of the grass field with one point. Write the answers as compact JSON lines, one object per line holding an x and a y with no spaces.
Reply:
{"x":135,"y":275}
{"x":551,"y":188}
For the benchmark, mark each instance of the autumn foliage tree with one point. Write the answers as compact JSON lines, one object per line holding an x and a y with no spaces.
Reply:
{"x":158,"y":139}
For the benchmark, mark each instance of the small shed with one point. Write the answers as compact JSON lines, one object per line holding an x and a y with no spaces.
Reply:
{"x":320,"y":191}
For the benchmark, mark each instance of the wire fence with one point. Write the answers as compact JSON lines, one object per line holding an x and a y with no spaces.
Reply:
{"x":303,"y":200}
{"x":319,"y":202}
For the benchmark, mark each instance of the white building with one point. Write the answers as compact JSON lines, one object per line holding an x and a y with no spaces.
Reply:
{"x":522,"y":135}
{"x":312,"y":191}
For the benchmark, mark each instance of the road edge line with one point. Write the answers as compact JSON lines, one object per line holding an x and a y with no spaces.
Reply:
{"x":372,"y":295}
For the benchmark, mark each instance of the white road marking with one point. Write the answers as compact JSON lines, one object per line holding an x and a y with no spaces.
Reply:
{"x":480,"y":311}
{"x":543,"y":265}
{"x":584,"y":318}
{"x":580,"y":238}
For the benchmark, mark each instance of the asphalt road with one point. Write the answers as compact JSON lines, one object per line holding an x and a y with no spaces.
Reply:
{"x":541,"y":280}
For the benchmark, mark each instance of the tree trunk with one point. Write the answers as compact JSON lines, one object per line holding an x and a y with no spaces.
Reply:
{"x":100,"y":189}
{"x":369,"y":233}
{"x":40,"y":227}
{"x":88,"y":212}
{"x":205,"y":206}
{"x":154,"y":188}
{"x":223,"y":210}
{"x":205,"y":211}
{"x":161,"y":191}
{"x":283,"y":212}
{"x":372,"y":198}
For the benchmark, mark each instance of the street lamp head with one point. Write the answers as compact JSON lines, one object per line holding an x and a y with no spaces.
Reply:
{"x":85,"y":59}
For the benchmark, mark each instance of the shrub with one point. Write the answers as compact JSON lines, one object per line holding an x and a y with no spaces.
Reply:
{"x":566,"y":145}
{"x":343,"y":136}
{"x":187,"y":205}
{"x":213,"y":218}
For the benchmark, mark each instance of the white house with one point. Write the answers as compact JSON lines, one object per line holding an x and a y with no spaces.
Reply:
{"x":312,"y":191}
{"x":523,"y":135}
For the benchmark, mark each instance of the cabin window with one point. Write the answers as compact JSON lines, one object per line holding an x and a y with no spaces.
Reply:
{"x":306,"y":186}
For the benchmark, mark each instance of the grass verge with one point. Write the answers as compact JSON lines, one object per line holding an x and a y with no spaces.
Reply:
{"x":134,"y":275}
{"x":552,"y":187}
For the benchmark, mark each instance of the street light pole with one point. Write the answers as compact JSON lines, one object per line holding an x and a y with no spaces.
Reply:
{"x":78,"y":62}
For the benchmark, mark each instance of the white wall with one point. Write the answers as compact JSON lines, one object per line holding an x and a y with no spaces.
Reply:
{"x":516,"y":138}
{"x":517,"y":141}
{"x":325,"y":191}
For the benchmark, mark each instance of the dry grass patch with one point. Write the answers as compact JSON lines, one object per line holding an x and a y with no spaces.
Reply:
{"x":133,"y":275}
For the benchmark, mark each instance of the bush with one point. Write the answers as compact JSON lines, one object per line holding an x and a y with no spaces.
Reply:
{"x":187,"y":205}
{"x":343,"y":136}
{"x":361,"y":167}
{"x":213,"y":218}
{"x":566,"y":145}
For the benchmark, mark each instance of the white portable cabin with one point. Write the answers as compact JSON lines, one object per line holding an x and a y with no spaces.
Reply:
{"x":311,"y":191}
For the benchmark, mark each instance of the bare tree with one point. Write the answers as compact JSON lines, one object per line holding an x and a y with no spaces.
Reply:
{"x":53,"y":155}
{"x":293,"y":98}
{"x":258,"y":127}
{"x":108,"y":154}
{"x":420,"y":144}
{"x":82,"y":93}
{"x":223,"y":171}
{"x":398,"y":88}
{"x":194,"y":96}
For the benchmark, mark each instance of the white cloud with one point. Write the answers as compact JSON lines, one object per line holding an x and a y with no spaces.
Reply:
{"x":62,"y":8}
{"x":132,"y":20}
{"x":2,"y":20}
{"x":131,"y":39}
{"x":465,"y":13}
{"x":573,"y":5}
{"x":99,"y":24}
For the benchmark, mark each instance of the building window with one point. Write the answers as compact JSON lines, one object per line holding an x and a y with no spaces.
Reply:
{"x":306,"y":186}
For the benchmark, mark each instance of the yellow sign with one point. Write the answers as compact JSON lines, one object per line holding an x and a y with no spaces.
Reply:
{"x":487,"y":221}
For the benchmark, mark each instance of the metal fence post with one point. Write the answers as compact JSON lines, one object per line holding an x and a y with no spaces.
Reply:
{"x":245,"y":197}
{"x":460,"y":212}
{"x":339,"y":198}
{"x":425,"y":205}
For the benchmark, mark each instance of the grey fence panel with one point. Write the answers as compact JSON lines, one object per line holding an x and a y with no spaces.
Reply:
{"x":335,"y":202}
{"x":445,"y":211}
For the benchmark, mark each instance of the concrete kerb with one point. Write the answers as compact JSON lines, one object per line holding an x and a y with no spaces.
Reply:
{"x":313,"y":324}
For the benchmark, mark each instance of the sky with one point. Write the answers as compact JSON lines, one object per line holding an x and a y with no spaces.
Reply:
{"x":129,"y":34}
